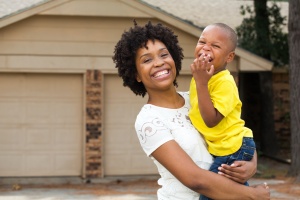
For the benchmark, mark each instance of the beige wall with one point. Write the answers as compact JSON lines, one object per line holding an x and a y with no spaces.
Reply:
{"x":53,"y":43}
{"x":69,"y":44}
{"x":58,"y":43}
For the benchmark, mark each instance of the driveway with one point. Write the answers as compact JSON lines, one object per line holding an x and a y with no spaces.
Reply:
{"x":116,"y":188}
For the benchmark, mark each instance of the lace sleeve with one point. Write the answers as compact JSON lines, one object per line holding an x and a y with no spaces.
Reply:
{"x":151,"y":131}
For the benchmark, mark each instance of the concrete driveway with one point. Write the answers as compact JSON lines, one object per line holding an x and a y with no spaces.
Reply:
{"x":116,"y":188}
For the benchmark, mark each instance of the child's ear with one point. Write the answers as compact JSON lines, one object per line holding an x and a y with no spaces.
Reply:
{"x":230,"y":57}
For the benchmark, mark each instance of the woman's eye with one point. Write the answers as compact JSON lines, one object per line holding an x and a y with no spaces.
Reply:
{"x":164,"y":55}
{"x":146,"y":60}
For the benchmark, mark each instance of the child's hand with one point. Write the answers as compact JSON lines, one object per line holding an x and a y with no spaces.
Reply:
{"x":202,"y":69}
{"x":239,"y":171}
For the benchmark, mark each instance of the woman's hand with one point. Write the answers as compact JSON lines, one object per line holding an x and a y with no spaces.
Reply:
{"x":262,"y":191}
{"x":239,"y":171}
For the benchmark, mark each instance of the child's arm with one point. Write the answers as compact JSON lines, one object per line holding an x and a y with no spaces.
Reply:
{"x":202,"y":71}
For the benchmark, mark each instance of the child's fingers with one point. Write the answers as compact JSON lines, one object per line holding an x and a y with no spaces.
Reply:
{"x":211,"y":70}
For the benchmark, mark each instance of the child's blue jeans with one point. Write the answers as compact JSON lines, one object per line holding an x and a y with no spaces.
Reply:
{"x":246,"y":153}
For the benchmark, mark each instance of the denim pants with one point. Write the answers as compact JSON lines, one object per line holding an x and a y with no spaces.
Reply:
{"x":246,"y":153}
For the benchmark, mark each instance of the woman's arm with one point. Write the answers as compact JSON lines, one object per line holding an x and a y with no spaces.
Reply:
{"x":172,"y":157}
{"x":240,"y":171}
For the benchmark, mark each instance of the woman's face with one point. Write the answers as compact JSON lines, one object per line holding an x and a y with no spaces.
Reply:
{"x":155,"y":67}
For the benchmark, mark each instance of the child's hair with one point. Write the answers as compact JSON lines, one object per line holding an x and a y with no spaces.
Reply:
{"x":137,"y":37}
{"x":231,"y":33}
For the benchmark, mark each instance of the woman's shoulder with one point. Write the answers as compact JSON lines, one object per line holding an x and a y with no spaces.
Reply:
{"x":185,"y":94}
{"x":147,"y":113}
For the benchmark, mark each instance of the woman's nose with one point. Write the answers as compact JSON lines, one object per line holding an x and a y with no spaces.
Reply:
{"x":158,"y":62}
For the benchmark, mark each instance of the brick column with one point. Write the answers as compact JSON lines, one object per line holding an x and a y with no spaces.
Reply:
{"x":93,"y":124}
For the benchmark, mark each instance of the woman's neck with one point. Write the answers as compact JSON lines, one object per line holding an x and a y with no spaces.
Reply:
{"x":165,"y":99}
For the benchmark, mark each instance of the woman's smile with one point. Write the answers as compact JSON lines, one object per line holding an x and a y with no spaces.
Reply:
{"x":161,"y":73}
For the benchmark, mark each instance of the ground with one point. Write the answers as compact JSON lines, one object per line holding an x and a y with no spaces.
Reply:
{"x":269,"y":170}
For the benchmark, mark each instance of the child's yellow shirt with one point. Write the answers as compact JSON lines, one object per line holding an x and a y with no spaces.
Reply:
{"x":226,"y":137}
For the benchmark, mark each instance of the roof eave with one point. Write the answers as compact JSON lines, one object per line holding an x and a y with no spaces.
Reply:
{"x":10,"y":19}
{"x":246,"y":61}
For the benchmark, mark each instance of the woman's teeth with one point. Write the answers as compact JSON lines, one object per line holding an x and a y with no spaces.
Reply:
{"x":160,"y":73}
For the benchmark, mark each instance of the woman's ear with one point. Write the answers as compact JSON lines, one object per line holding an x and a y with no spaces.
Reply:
{"x":138,"y":79}
{"x":230,"y":57}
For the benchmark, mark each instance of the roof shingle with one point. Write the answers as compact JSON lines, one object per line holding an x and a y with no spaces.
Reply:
{"x":11,"y":7}
{"x":204,"y":12}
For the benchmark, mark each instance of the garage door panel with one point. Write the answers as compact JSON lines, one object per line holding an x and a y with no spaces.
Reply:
{"x":142,"y":167}
{"x":129,"y":161}
{"x":123,"y":162}
{"x":11,"y":89}
{"x":118,"y":160}
{"x":51,"y":86}
{"x":54,"y":111}
{"x":9,"y":110}
{"x":37,"y":111}
{"x":61,"y":162}
{"x":123,"y":154}
{"x":123,"y":137}
{"x":41,"y":162}
{"x":37,"y":164}
{"x":124,"y":111}
{"x":10,"y":165}
{"x":64,"y":110}
{"x":41,"y":130}
{"x":11,"y":139}
{"x":38,"y":139}
{"x":43,"y":89}
{"x":64,"y":139}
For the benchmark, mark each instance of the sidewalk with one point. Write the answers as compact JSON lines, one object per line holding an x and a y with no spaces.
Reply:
{"x":117,"y":188}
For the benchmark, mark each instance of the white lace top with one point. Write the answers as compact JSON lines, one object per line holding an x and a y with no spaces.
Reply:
{"x":155,"y":126}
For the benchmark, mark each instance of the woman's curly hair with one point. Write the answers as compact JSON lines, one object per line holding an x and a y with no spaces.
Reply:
{"x":137,"y":37}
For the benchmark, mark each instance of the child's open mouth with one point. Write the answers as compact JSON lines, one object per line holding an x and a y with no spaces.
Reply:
{"x":207,"y":55}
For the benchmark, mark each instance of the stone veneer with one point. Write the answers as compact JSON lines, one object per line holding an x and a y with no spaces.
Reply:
{"x":93,"y":154}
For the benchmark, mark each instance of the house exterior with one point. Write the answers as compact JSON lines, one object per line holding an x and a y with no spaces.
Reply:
{"x":63,"y":108}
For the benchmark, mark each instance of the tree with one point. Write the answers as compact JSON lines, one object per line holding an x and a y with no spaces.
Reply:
{"x":294,"y":74}
{"x":264,"y":28}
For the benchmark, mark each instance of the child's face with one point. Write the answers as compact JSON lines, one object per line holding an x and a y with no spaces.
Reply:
{"x":155,"y":66}
{"x":215,"y":43}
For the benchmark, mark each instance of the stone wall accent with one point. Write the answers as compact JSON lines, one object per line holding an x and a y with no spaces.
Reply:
{"x":93,"y":124}
{"x":281,"y":97}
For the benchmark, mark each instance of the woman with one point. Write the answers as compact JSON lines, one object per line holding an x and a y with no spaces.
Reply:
{"x":148,"y":59}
